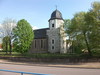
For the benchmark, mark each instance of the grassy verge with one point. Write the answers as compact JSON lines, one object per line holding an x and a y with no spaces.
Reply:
{"x":47,"y":55}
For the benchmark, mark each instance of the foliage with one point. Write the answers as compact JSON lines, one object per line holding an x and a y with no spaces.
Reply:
{"x":23,"y":36}
{"x":93,"y":20}
{"x":5,"y":44}
{"x":84,"y":30}
{"x":76,"y":30}
{"x":6,"y":29}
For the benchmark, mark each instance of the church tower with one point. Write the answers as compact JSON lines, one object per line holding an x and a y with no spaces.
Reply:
{"x":56,"y":33}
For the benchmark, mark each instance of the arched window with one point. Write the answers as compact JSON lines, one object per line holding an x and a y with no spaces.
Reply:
{"x":52,"y":47}
{"x":41,"y":43}
{"x":53,"y":41}
{"x":35,"y":43}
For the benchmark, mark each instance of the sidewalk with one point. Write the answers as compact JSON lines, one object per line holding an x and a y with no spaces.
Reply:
{"x":91,"y":65}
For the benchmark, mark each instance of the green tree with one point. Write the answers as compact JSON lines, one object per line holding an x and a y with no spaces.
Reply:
{"x":23,"y":36}
{"x":93,"y":20}
{"x":84,"y":29}
{"x":7,"y":27}
{"x":78,"y":32}
{"x":5,"y":44}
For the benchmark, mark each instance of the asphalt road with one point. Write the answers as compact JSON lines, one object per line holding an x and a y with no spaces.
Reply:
{"x":47,"y":70}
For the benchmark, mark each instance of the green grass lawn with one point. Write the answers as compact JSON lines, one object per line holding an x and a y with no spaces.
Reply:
{"x":38,"y":55}
{"x":8,"y":53}
{"x":46,"y":55}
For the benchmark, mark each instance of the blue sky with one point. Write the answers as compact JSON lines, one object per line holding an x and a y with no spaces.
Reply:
{"x":38,"y":12}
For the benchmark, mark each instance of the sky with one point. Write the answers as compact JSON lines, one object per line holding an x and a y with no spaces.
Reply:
{"x":38,"y":12}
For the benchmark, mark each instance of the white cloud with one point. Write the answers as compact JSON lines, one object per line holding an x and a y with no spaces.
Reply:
{"x":34,"y":27}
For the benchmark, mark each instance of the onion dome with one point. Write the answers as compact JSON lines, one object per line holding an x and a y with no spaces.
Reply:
{"x":56,"y":15}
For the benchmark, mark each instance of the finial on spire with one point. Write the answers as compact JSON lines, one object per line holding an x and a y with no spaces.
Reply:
{"x":56,"y":7}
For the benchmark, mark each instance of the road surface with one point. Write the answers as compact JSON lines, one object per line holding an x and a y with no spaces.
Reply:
{"x":47,"y":70}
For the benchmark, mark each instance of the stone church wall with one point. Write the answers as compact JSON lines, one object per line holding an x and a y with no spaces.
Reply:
{"x":39,"y":46}
{"x":53,"y":34}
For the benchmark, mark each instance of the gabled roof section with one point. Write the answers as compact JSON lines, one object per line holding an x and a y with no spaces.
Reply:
{"x":40,"y":33}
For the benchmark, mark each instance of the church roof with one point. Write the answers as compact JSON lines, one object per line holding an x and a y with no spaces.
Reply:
{"x":56,"y":15}
{"x":40,"y":33}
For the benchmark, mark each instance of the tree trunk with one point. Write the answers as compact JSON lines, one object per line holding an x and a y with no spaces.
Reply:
{"x":6,"y":47}
{"x":10,"y":46}
{"x":87,"y":44}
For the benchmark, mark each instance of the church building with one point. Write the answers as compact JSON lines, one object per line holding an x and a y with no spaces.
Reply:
{"x":52,"y":39}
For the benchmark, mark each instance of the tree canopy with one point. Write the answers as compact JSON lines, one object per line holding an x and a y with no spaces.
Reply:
{"x":5,"y":44}
{"x":23,"y":36}
{"x":84,"y":29}
{"x":6,"y":29}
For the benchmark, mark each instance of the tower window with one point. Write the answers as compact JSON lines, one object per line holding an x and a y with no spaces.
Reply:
{"x":52,"y":47}
{"x":52,"y":25}
{"x":52,"y":41}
